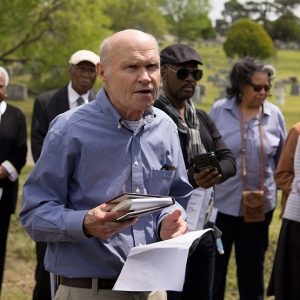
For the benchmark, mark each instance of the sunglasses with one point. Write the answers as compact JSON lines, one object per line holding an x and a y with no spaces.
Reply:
{"x":259,"y":87}
{"x":183,"y":73}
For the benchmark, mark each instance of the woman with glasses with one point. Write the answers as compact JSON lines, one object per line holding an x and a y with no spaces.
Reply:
{"x":198,"y":135}
{"x":254,"y":129}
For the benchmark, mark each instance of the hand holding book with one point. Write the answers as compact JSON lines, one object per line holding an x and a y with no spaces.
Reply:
{"x":138,"y":204}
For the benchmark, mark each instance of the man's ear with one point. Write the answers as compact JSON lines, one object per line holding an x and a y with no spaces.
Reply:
{"x":100,"y":71}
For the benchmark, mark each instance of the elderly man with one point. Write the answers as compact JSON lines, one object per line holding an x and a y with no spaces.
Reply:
{"x":117,"y":143}
{"x":47,"y":106}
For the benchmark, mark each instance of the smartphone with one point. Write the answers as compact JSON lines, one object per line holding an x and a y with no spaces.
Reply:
{"x":206,"y":161}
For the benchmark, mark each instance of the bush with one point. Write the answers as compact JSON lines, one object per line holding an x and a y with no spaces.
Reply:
{"x":245,"y":37}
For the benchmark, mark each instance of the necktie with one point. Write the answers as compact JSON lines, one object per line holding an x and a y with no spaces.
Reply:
{"x":80,"y":101}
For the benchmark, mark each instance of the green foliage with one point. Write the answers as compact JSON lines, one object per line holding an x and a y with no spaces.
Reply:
{"x":188,"y":19}
{"x":286,"y":28}
{"x":43,"y":34}
{"x":245,"y":37}
{"x":141,"y":15}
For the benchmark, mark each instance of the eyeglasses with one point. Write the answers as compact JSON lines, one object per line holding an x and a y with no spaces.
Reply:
{"x":183,"y":73}
{"x":259,"y":87}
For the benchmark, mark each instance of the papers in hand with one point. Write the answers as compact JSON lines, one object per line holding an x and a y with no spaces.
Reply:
{"x":139,"y":204}
{"x":198,"y":207}
{"x":150,"y":267}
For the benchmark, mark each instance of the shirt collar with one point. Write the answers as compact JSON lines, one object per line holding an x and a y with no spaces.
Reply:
{"x":107,"y":108}
{"x":73,"y":95}
{"x":3,"y":107}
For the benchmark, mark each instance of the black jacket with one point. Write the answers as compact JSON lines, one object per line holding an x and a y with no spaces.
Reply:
{"x":46,"y":107}
{"x":212,"y":141}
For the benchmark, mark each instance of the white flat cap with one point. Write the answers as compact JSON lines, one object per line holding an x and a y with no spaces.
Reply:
{"x":84,"y":55}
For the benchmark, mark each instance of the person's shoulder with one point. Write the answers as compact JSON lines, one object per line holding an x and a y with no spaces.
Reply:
{"x":161,"y":115}
{"x":297,"y":127}
{"x":222,"y":103}
{"x":13,"y":110}
{"x":272,"y":108}
{"x":47,"y":96}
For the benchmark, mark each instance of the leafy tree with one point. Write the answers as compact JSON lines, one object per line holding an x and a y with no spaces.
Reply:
{"x":286,"y":28}
{"x":42,"y":34}
{"x":187,"y":19}
{"x":142,"y":15}
{"x":246,"y":37}
{"x":259,"y":11}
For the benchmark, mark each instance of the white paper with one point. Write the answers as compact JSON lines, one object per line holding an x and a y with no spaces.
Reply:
{"x":197,"y":207}
{"x":213,"y":216}
{"x":157,"y":267}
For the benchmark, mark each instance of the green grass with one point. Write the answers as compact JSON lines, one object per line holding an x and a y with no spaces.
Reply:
{"x":20,"y":261}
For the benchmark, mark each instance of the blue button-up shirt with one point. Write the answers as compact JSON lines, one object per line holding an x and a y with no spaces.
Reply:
{"x":225,"y":113}
{"x":89,"y":157}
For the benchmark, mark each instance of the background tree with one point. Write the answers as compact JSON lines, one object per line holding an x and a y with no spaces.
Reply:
{"x":286,"y":28}
{"x":42,"y":34}
{"x":233,"y":11}
{"x":260,"y":11}
{"x":142,"y":15}
{"x":187,"y":19}
{"x":246,"y":37}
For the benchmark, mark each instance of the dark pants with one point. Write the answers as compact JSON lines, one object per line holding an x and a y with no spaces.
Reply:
{"x":199,"y":271}
{"x":4,"y":225}
{"x":42,"y":277}
{"x":251,"y":243}
{"x":285,"y":278}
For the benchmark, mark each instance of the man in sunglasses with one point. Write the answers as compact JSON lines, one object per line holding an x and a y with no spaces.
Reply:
{"x":198,"y":134}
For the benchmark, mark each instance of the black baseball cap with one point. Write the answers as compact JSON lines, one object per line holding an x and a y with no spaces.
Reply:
{"x":178,"y":54}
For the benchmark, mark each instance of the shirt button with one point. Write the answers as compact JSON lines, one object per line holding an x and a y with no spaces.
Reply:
{"x":137,"y":190}
{"x":136,"y":163}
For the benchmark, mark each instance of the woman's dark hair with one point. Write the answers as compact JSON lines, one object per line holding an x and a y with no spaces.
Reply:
{"x":241,"y":74}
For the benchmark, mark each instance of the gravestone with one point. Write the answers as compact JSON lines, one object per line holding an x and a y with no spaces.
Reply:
{"x":279,"y":90}
{"x":17,"y":91}
{"x":199,"y":94}
{"x":294,"y":89}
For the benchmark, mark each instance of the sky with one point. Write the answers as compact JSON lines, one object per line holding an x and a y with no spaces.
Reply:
{"x":218,"y":5}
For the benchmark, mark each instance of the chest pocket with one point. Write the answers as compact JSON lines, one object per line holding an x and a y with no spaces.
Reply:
{"x":159,"y":182}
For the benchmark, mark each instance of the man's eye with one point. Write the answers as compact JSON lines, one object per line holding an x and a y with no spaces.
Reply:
{"x":152,"y":67}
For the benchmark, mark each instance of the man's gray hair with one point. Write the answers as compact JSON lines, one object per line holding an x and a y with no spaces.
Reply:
{"x":4,"y":73}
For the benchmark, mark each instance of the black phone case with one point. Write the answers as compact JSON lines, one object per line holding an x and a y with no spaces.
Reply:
{"x":205,"y":161}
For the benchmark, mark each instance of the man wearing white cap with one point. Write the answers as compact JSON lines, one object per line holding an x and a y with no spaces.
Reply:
{"x":46,"y":107}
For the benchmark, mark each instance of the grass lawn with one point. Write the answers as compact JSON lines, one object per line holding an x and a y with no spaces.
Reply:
{"x":20,"y":261}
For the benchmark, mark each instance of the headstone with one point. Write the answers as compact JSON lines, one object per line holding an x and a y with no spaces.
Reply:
{"x":16,"y":91}
{"x":279,"y":90}
{"x":294,"y":89}
{"x":199,"y":94}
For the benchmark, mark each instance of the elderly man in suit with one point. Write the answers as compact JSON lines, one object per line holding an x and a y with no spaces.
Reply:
{"x":46,"y":107}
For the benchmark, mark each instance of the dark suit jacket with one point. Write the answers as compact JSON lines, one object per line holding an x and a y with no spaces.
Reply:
{"x":13,"y":147}
{"x":46,"y":107}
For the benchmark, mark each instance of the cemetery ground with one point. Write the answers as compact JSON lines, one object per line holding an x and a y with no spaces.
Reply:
{"x":20,"y":260}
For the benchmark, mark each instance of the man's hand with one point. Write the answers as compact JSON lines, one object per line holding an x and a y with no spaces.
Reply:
{"x":172,"y":225}
{"x":99,"y":222}
{"x":207,"y":178}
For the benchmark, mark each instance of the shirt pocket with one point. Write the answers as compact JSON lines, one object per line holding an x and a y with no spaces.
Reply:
{"x":160,"y":181}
